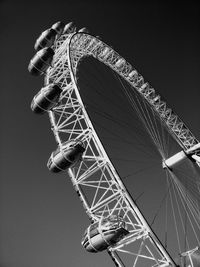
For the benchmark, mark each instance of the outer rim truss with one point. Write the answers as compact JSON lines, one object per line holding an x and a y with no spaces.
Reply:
{"x":69,"y":121}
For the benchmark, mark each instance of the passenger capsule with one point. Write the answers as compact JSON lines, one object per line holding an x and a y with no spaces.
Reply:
{"x":41,"y":61}
{"x":46,"y":39}
{"x":104,"y":233}
{"x":58,"y":27}
{"x":84,"y":30}
{"x":66,"y":156}
{"x":144,"y":87}
{"x":69,"y":28}
{"x":46,"y":98}
{"x":133,"y":74}
{"x":120,"y":63}
{"x":105,"y":53}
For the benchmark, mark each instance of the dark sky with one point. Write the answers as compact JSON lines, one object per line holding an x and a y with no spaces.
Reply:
{"x":42,"y":220}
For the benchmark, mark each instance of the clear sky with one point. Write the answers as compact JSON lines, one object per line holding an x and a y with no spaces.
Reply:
{"x":41,"y":218}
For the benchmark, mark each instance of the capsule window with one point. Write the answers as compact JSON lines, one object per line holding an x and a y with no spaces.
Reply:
{"x":94,"y":232}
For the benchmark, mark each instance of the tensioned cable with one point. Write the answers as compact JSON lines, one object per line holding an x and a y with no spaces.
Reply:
{"x":192,"y":179}
{"x":190,"y":200}
{"x":105,"y":96}
{"x":181,"y":193}
{"x":157,"y":133}
{"x":139,"y":114}
{"x":181,"y":218}
{"x":163,"y":142}
{"x":104,"y":115}
{"x":150,"y":126}
{"x":160,"y":206}
{"x":108,"y":115}
{"x":176,"y":193}
{"x":99,"y":84}
{"x":145,"y":118}
{"x":166,"y":217}
{"x":139,"y":171}
{"x":176,"y":222}
{"x":189,"y":205}
{"x":174,"y":217}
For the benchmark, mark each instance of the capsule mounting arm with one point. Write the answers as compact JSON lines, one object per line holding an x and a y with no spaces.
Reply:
{"x":192,"y":153}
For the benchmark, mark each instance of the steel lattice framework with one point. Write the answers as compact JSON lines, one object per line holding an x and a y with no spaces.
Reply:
{"x":94,"y":178}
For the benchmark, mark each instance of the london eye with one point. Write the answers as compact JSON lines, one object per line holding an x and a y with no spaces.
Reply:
{"x":165,"y":233}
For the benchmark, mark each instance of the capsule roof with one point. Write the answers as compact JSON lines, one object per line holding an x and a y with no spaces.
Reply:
{"x":46,"y":39}
{"x":84,"y":29}
{"x":58,"y":27}
{"x":69,"y":28}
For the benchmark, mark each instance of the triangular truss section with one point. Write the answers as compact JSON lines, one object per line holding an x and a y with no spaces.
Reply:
{"x":142,"y":252}
{"x":94,"y":177}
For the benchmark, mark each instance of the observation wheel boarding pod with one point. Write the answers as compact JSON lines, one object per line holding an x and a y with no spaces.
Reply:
{"x":81,"y":152}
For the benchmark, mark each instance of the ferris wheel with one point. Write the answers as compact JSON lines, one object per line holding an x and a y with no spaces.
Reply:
{"x":117,"y":224}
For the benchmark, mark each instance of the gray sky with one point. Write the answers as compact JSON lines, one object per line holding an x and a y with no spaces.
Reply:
{"x":42,"y":220}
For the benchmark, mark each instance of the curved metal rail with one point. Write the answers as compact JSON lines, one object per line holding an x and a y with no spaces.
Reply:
{"x":69,"y":119}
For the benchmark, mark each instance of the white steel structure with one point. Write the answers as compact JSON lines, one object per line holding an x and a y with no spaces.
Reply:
{"x":107,"y":194}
